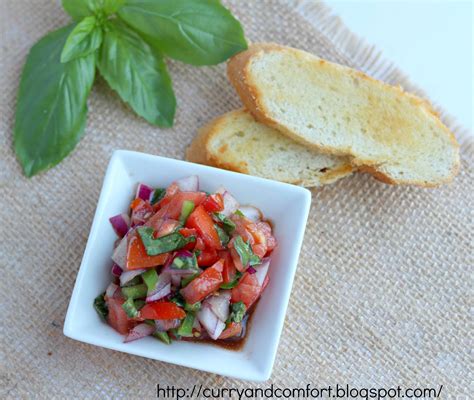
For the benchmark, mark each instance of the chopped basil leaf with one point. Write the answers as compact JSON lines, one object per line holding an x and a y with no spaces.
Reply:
{"x":163,"y":244}
{"x":186,"y":327}
{"x":239,"y":213}
{"x":135,"y":281}
{"x":175,"y":333}
{"x":101,"y":306}
{"x":163,"y":336}
{"x":129,"y":308}
{"x":135,"y":292}
{"x":185,"y":263}
{"x":193,"y":307}
{"x":197,"y":253}
{"x":150,"y":277}
{"x":227,"y":224}
{"x":186,"y":209}
{"x":158,"y":194}
{"x":178,"y":300}
{"x":247,"y":256}
{"x":238,"y":312}
{"x":139,"y":304}
{"x":188,"y":279}
{"x":233,"y":283}
{"x":224,"y":237}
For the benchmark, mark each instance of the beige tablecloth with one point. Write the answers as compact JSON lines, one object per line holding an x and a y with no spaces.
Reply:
{"x":383,"y":287}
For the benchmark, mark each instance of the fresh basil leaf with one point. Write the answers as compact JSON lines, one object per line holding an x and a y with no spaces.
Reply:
{"x":224,"y":237}
{"x":178,"y":300}
{"x":247,"y":256}
{"x":227,"y":224}
{"x":78,"y":9}
{"x":137,"y":73}
{"x":186,"y":327}
{"x":188,"y":263}
{"x":101,"y":306}
{"x":239,"y":213}
{"x":84,"y":39}
{"x":158,"y":194}
{"x":163,"y":336}
{"x":198,"y":32}
{"x":193,"y":307}
{"x":233,"y":283}
{"x":238,"y":312}
{"x":163,"y":244}
{"x":51,"y":108}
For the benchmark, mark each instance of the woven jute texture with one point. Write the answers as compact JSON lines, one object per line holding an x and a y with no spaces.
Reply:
{"x":383,"y":288}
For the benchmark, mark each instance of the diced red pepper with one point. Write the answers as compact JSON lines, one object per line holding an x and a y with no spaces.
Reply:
{"x":162,"y":310}
{"x":205,"y":284}
{"x":214,"y":203}
{"x":234,"y":329}
{"x":137,"y":257}
{"x":204,"y":225}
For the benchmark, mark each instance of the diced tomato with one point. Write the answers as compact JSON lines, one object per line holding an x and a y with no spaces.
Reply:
{"x":137,"y":257}
{"x":117,"y":318}
{"x":172,"y":208}
{"x":229,"y":271}
{"x":187,"y":232}
{"x":204,"y":225}
{"x":247,"y":291}
{"x":259,"y":249}
{"x":214,"y":203}
{"x":171,"y":190}
{"x":234,"y":329}
{"x":141,"y":211}
{"x":236,"y":258}
{"x":200,"y":245}
{"x":266,"y":229}
{"x":162,"y":310}
{"x":207,"y":257}
{"x":163,"y":227}
{"x":205,"y":284}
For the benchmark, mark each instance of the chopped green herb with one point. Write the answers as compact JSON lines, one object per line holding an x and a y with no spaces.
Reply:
{"x":135,"y":292}
{"x":239,"y":213}
{"x":175,"y":333}
{"x":150,"y":277}
{"x":247,"y":256}
{"x":232,"y":284}
{"x":186,"y":327}
{"x":178,"y":300}
{"x":185,"y":281}
{"x":129,"y":308}
{"x":224,"y":237}
{"x":227,"y":224}
{"x":238,"y":312}
{"x":101,"y":306}
{"x":135,"y":281}
{"x":158,"y":194}
{"x":163,"y":336}
{"x":163,"y":244}
{"x":186,"y":209}
{"x":193,"y":307}
{"x":139,"y":304}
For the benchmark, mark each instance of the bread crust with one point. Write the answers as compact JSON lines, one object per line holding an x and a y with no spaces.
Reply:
{"x":239,"y":76}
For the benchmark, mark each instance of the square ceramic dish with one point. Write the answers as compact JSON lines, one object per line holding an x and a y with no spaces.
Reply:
{"x":286,"y":206}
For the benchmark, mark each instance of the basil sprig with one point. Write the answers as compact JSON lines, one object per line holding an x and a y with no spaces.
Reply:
{"x":163,"y":244}
{"x":127,"y":40}
{"x":238,"y":312}
{"x":247,"y":256}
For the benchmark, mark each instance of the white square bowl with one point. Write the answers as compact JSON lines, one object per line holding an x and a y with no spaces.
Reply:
{"x":286,"y":206}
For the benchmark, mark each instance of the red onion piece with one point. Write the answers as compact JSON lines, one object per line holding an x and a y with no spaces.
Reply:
{"x":221,"y":190}
{"x":127,"y":276}
{"x":251,"y":270}
{"x":252,"y":213}
{"x":262,"y":270}
{"x":163,"y":325}
{"x":116,"y":270}
{"x":230,"y":204}
{"x":213,"y":325}
{"x":196,"y":325}
{"x":144,"y":192}
{"x":120,"y":224}
{"x":188,"y":184}
{"x":162,"y":289}
{"x":119,"y":255}
{"x":176,"y":280}
{"x":140,"y":331}
{"x":109,"y":292}
{"x":219,"y":305}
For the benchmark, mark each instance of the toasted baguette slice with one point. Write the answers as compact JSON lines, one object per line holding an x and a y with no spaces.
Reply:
{"x":237,"y":142}
{"x":337,"y":110}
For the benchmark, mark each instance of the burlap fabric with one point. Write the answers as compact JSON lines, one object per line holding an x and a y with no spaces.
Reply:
{"x":383,"y":287}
